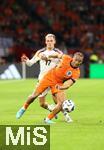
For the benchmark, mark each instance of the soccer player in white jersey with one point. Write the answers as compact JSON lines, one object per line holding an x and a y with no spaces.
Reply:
{"x":45,"y":66}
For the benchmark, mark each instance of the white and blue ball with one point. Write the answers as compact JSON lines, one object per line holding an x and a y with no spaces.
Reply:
{"x":68,"y":105}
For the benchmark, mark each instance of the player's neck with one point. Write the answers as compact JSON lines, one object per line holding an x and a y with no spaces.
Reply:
{"x":72,"y":65}
{"x":49,"y":48}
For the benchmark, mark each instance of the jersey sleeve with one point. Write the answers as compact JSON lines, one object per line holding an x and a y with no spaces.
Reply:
{"x":58,"y":51}
{"x":75,"y":75}
{"x":32,"y":61}
{"x":39,"y":52}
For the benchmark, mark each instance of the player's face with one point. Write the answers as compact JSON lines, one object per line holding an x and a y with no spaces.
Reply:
{"x":77,"y":61}
{"x":50,"y":42}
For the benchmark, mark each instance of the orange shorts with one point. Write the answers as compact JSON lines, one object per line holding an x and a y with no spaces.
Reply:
{"x":48,"y":81}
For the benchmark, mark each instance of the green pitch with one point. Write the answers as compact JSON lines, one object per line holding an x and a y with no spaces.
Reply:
{"x":87,"y":130}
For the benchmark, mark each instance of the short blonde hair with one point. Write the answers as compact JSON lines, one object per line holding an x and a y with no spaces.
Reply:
{"x":50,"y":35}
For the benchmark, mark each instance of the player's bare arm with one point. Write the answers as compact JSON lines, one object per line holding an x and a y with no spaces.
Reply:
{"x":44,"y":57}
{"x":56,"y":56}
{"x":66,"y":84}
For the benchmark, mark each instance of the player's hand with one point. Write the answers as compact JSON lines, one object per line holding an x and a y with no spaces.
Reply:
{"x":24,"y":58}
{"x":44,"y":57}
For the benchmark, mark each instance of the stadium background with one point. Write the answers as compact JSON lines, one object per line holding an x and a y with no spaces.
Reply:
{"x":78,"y":26}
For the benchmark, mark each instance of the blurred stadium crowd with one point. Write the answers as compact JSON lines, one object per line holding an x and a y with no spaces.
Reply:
{"x":78,"y":26}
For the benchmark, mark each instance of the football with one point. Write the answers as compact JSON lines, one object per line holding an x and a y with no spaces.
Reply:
{"x":68,"y":105}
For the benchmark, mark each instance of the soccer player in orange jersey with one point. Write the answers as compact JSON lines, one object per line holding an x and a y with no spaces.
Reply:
{"x":45,"y":66}
{"x":58,"y":79}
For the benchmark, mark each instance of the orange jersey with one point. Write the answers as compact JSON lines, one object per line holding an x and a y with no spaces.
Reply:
{"x":65,"y":71}
{"x":58,"y":75}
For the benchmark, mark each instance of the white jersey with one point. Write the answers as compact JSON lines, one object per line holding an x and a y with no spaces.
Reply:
{"x":45,"y":66}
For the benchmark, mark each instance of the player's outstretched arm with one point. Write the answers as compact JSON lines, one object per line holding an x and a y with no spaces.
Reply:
{"x":44,"y":57}
{"x":33,"y":60}
{"x":56,"y":56}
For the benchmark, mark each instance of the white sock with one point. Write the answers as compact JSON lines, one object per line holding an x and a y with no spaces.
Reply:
{"x":65,"y":113}
{"x":23,"y":108}
{"x":47,"y":119}
{"x":50,"y":107}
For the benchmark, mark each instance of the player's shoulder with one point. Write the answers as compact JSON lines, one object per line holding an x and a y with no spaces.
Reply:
{"x":76,"y":72}
{"x":57,"y":50}
{"x":65,"y":56}
{"x":40,"y":51}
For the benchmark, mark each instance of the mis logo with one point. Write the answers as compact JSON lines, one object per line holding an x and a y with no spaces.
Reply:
{"x":69,"y":73}
{"x":25,"y":137}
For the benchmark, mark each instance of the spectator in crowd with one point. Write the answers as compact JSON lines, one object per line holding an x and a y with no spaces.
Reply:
{"x":77,"y":24}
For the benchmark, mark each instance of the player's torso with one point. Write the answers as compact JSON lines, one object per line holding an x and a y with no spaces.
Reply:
{"x":45,"y":66}
{"x":64,"y":70}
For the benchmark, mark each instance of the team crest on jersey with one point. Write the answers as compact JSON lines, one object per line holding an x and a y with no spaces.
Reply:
{"x":69,"y":73}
